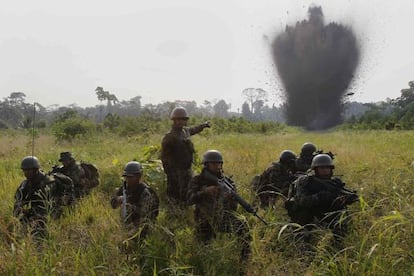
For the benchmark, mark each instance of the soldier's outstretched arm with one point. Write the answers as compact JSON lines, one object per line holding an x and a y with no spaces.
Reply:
{"x":199,"y":128}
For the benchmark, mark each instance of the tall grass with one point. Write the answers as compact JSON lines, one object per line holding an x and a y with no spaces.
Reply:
{"x":90,"y":240}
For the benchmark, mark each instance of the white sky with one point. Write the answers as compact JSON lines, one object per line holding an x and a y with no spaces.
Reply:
{"x":58,"y":52}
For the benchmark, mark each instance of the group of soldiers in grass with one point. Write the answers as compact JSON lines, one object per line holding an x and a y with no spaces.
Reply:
{"x":42,"y":194}
{"x":311,"y":194}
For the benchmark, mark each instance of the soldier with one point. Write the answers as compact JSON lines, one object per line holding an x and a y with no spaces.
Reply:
{"x":276,"y":179}
{"x":320,"y":198}
{"x":214,"y":206}
{"x":38,"y":196}
{"x":304,"y":161}
{"x":177,"y":155}
{"x":139,"y":202}
{"x":75,"y":171}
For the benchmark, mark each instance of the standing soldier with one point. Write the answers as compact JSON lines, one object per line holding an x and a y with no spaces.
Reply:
{"x":303,"y":163}
{"x":276,"y":179}
{"x":139,"y":203}
{"x":320,"y":198}
{"x":215,"y":206}
{"x":38,"y":196}
{"x":177,"y":155}
{"x":75,"y":171}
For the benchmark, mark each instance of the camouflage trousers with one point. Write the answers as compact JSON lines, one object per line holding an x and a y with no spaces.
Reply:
{"x":36,"y":226}
{"x":178,"y":184}
{"x":337,"y":221}
{"x":206,"y":230}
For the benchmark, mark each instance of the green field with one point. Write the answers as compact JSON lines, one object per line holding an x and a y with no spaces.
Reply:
{"x":86,"y":241}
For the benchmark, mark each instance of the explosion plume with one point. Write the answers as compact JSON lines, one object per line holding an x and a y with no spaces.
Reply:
{"x":316,"y":63}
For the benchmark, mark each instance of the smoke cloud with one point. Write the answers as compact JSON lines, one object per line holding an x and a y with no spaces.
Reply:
{"x":316,"y":63}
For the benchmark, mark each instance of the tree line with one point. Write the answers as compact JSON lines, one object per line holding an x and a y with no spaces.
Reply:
{"x":15,"y":112}
{"x":111,"y":112}
{"x":390,"y":114}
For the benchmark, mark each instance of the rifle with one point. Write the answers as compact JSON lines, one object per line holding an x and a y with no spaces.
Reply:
{"x":124,"y":203}
{"x":337,"y":187}
{"x":330,"y":153}
{"x":227,"y":184}
{"x":55,"y":169}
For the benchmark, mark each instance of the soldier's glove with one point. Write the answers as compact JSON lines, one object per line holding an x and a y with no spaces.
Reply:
{"x":206,"y":124}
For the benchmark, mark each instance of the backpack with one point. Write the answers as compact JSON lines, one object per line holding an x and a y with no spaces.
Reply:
{"x":91,"y":173}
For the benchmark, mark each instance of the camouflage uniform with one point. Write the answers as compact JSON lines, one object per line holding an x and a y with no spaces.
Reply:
{"x":303,"y":163}
{"x":35,"y":199}
{"x":216,"y":214}
{"x":141,"y":207}
{"x":273,"y":181}
{"x":307,"y":152}
{"x":177,"y":156}
{"x":311,"y":200}
{"x":77,"y":174}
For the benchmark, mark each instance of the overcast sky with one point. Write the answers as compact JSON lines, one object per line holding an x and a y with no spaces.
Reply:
{"x":58,"y":52}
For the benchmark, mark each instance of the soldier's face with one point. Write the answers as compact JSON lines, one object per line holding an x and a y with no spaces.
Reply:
{"x":214,"y":167}
{"x":323,"y":171}
{"x":180,"y":122}
{"x":132,"y":180}
{"x":30,"y":174}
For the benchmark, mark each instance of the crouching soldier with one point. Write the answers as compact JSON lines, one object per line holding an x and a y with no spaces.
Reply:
{"x":139,"y":203}
{"x":276,"y":179}
{"x":215,"y":206}
{"x":37,"y":197}
{"x":304,"y":161}
{"x":74,"y":171}
{"x":320,"y":198}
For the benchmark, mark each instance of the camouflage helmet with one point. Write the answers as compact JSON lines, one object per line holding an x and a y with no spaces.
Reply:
{"x":308,"y":148}
{"x":132,"y":168}
{"x":213,"y":156}
{"x":30,"y":162}
{"x":287,"y":156}
{"x":179,"y":113}
{"x":322,"y":160}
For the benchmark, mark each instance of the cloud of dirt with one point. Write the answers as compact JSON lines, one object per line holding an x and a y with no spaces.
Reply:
{"x":316,"y":63}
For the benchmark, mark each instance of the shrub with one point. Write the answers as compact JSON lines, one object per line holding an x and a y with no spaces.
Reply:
{"x":72,"y":128}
